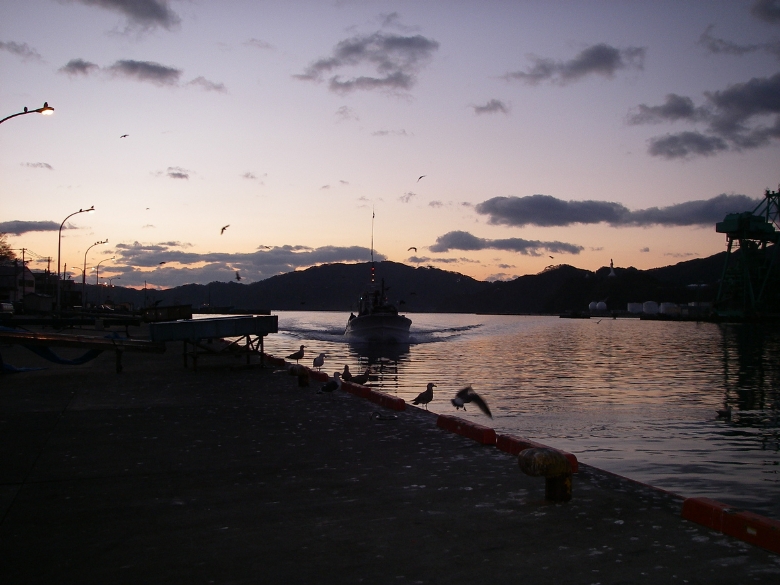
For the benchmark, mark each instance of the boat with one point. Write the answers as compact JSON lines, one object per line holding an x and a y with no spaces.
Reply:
{"x":377,"y":320}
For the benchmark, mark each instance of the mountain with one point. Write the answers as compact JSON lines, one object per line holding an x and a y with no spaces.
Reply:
{"x":336,"y":287}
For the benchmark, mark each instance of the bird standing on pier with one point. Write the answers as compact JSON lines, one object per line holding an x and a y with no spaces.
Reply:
{"x":425,"y":397}
{"x":467,"y":395}
{"x":319,"y":361}
{"x":362,"y":378}
{"x":297,"y":355}
{"x":346,"y":375}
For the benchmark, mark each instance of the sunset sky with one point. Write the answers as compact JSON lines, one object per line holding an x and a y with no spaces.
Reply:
{"x":545,"y":132}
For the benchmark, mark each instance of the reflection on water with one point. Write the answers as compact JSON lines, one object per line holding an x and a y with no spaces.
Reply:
{"x":635,"y":397}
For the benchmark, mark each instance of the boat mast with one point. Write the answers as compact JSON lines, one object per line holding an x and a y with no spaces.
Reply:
{"x":373,"y":215}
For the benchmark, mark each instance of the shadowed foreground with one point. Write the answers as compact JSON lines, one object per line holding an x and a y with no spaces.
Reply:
{"x":236,"y":475}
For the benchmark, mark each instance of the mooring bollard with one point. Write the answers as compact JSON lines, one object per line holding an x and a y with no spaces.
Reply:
{"x":303,"y":377}
{"x":553,"y":466}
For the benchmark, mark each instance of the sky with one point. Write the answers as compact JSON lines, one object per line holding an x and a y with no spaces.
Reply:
{"x":245,"y":139}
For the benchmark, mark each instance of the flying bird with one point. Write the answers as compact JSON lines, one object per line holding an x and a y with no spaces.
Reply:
{"x":420,"y":177}
{"x":319,"y":361}
{"x":222,"y":231}
{"x":124,"y":136}
{"x":425,"y":397}
{"x":331,"y":385}
{"x":553,"y":257}
{"x":467,"y":395}
{"x":238,"y":276}
{"x":163,"y":262}
{"x":297,"y":355}
{"x":412,"y":248}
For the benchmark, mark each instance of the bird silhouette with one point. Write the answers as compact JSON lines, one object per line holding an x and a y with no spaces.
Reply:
{"x":362,"y":378}
{"x":319,"y":361}
{"x":222,"y":231}
{"x":297,"y":355}
{"x":725,"y":413}
{"x":425,"y":397}
{"x":124,"y":136}
{"x":331,"y":385}
{"x":238,"y":276}
{"x":467,"y":395}
{"x":161,"y":263}
{"x":420,"y":177}
{"x":346,"y":375}
{"x":412,"y":248}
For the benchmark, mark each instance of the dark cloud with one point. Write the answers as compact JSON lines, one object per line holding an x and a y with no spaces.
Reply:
{"x":723,"y":47}
{"x":204,"y":83}
{"x":395,"y":60}
{"x":436,"y":204}
{"x":459,"y":240}
{"x":675,"y":108}
{"x":766,"y":10}
{"x":645,"y":249}
{"x":78,"y":67}
{"x":146,"y":71}
{"x":407,"y":197}
{"x":735,"y":118}
{"x":249,"y":175}
{"x":183,"y":267}
{"x":38,"y":165}
{"x":547,"y":211}
{"x":600,"y":59}
{"x":140,"y":13}
{"x":22,"y":50}
{"x":492,"y":107}
{"x":18,"y":228}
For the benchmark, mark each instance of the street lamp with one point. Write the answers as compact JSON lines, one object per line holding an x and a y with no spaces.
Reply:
{"x":46,"y":110}
{"x":97,"y":269}
{"x":59,"y":247}
{"x":84,"y":272}
{"x":110,"y":280}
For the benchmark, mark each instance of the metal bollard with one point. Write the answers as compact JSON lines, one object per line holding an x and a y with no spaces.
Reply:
{"x":553,"y":466}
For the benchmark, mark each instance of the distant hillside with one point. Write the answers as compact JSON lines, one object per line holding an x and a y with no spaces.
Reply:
{"x":336,"y":287}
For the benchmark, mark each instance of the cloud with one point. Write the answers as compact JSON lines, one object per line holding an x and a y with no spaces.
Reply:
{"x":394,"y":60}
{"x":193,"y":267}
{"x":207,"y":85}
{"x":600,"y":59}
{"x":492,"y":107}
{"x":407,"y":197}
{"x":500,"y":277}
{"x":78,"y":67}
{"x":259,"y":44}
{"x":645,"y":249}
{"x":389,"y":133}
{"x":18,"y":228}
{"x":735,"y":120}
{"x":146,"y":71}
{"x":249,"y":175}
{"x":21,"y":50}
{"x":459,"y":240}
{"x":547,"y":211}
{"x":38,"y":165}
{"x":140,"y":13}
{"x":178,"y":173}
{"x":720,"y":46}
{"x":435,"y":204}
{"x":345,"y":113}
{"x":766,"y":10}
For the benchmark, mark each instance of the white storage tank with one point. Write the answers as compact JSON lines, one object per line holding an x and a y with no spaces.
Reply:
{"x":669,"y":309}
{"x":650,"y":307}
{"x":601,"y":306}
{"x":634,"y":308}
{"x":592,"y":306}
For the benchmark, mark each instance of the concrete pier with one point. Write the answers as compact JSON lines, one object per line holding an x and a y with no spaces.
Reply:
{"x":235,"y":474}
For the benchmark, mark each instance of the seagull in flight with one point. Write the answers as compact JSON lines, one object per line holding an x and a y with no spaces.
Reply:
{"x":238,"y":276}
{"x":124,"y":136}
{"x":425,"y":397}
{"x":467,"y":395}
{"x":420,"y":177}
{"x":224,"y":227}
{"x":413,"y":248}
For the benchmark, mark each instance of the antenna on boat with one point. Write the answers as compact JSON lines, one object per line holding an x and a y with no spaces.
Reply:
{"x":373,"y":215}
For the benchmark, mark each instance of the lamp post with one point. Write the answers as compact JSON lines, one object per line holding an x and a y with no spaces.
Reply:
{"x":113,"y":278}
{"x":97,"y":269}
{"x":46,"y":110}
{"x":59,"y":248}
{"x":84,"y":272}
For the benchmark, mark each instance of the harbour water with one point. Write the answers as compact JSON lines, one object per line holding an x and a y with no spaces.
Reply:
{"x":638,"y":398}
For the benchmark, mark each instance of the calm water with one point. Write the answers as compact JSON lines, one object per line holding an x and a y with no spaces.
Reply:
{"x":638,"y":398}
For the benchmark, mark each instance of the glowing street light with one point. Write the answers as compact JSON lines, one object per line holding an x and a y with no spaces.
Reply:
{"x":46,"y":110}
{"x":97,"y":269}
{"x":59,"y":247}
{"x":84,"y":272}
